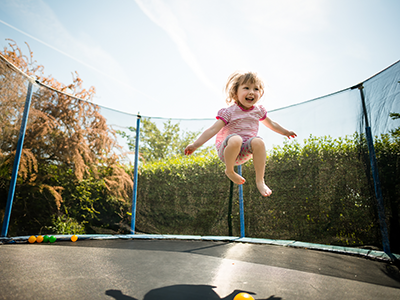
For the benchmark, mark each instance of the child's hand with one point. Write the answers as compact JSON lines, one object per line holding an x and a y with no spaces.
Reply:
{"x":190,"y":149}
{"x":291,"y":134}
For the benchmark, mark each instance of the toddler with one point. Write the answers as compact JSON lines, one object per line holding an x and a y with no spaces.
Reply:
{"x":237,"y":127}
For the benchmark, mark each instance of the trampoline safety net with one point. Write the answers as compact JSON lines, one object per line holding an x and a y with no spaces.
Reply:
{"x":77,"y":164}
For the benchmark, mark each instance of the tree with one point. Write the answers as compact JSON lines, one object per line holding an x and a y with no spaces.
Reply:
{"x":156,"y":144}
{"x":396,"y":132}
{"x":67,"y":142}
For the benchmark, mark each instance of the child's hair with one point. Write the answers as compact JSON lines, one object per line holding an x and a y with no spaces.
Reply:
{"x":237,"y":79}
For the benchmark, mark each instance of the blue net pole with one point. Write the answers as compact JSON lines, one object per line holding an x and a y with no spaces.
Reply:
{"x":135,"y":179}
{"x":241,"y":205}
{"x":17,"y":160}
{"x":375,"y":176}
{"x":230,"y":229}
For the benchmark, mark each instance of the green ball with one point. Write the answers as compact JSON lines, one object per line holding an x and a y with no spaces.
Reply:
{"x":52,"y":239}
{"x":46,"y":239}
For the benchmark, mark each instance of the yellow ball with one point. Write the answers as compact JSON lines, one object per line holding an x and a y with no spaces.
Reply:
{"x":32,"y":239}
{"x":74,"y":238}
{"x":243,"y":296}
{"x":39,"y":239}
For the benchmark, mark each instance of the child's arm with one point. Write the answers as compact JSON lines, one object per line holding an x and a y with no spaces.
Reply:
{"x":205,"y":136}
{"x":278,"y":128}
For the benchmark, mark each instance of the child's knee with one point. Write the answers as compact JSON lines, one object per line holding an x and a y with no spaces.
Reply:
{"x":257,"y":143}
{"x":235,"y":141}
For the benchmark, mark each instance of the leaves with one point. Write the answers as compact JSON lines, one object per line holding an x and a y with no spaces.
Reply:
{"x":67,"y":142}
{"x":321,"y":193}
{"x":156,"y":144}
{"x":395,"y":132}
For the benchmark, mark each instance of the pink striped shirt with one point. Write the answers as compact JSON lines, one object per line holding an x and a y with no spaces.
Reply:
{"x":242,"y":122}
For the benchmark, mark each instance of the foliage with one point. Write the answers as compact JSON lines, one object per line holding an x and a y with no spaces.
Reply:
{"x":65,"y":225}
{"x":321,"y":193}
{"x":156,"y":144}
{"x":67,"y":145}
{"x":183,"y":195}
{"x":396,"y":132}
{"x":323,"y":190}
{"x":387,"y":149}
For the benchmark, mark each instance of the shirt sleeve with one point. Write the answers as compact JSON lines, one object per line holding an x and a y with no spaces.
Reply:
{"x":224,"y":115}
{"x":263,"y":112}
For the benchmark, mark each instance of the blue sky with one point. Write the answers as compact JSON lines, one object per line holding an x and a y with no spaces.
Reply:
{"x":171,"y":58}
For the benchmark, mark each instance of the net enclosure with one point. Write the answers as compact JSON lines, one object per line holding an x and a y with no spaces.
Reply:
{"x":76,"y":168}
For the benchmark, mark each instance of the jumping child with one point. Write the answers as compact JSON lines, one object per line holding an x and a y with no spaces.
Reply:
{"x":237,"y":127}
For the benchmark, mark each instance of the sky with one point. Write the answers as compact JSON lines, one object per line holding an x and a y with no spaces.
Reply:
{"x":171,"y":58}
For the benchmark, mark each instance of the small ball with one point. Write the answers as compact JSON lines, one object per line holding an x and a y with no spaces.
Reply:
{"x":46,"y":239}
{"x":74,"y":238}
{"x":52,"y":239}
{"x":243,"y":296}
{"x":32,"y":239}
{"x":39,"y":239}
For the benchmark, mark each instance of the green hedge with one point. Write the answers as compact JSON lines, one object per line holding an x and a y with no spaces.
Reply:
{"x":322,"y":193}
{"x":183,"y":196}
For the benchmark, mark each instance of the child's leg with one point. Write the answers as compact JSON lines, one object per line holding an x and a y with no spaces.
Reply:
{"x":259,"y":156}
{"x":231,"y":152}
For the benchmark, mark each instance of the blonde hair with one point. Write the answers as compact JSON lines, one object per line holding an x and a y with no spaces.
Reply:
{"x":237,"y":79}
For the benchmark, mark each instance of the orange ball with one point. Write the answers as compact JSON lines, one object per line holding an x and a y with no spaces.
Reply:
{"x":74,"y":238}
{"x":32,"y":239}
{"x":39,"y":239}
{"x":243,"y":296}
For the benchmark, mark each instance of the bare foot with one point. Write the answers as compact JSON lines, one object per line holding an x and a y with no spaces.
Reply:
{"x":264,"y":189}
{"x":235,"y":177}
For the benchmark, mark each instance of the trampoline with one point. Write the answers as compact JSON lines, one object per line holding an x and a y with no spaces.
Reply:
{"x":152,"y":268}
{"x":324,"y":195}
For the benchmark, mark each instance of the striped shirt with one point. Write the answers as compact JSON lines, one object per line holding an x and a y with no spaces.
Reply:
{"x":245,"y":123}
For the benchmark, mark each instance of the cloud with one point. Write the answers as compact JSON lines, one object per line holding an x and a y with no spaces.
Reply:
{"x":286,"y":16}
{"x":162,"y":15}
{"x":238,"y":34}
{"x":47,"y":27}
{"x":52,"y":47}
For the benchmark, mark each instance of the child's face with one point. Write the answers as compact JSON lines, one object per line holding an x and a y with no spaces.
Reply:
{"x":248,"y":94}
